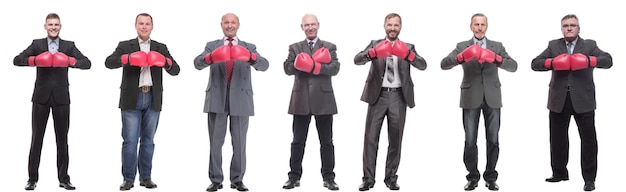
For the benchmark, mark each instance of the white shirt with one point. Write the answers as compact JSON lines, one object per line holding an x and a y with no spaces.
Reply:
{"x":145,"y":77}
{"x":393,"y":61}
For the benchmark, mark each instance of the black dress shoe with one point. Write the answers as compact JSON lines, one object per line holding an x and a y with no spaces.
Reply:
{"x":331,"y":185}
{"x":366,"y":186}
{"x":67,"y":185}
{"x":148,"y":184}
{"x":126,"y":185}
{"x":214,"y":186}
{"x":291,"y":183}
{"x":471,"y":185}
{"x":589,"y":186}
{"x":392,"y":185}
{"x":556,"y":179}
{"x":239,"y":186}
{"x":491,"y":185}
{"x":30,"y":185}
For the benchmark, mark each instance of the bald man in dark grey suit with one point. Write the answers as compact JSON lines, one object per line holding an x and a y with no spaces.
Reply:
{"x":480,"y":91}
{"x":312,"y":95}
{"x":229,"y":97}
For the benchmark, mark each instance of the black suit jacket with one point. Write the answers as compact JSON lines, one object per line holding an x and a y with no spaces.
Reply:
{"x":52,"y":80}
{"x":581,"y":87}
{"x":130,"y":74}
{"x":374,"y":81}
{"x":312,"y":94}
{"x":480,"y":81}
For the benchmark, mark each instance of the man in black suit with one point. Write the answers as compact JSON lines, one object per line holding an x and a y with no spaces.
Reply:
{"x":52,"y":56}
{"x":312,"y":62}
{"x":143,"y":61}
{"x":481,"y":59}
{"x":388,"y":91}
{"x":572,"y":60}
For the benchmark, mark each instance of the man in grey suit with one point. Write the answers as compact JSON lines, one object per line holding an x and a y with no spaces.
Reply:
{"x":230,"y":61}
{"x":480,"y":91}
{"x":312,"y":95}
{"x":572,"y":60}
{"x":388,"y":91}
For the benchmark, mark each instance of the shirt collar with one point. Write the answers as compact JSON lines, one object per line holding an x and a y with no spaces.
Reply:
{"x":314,"y":40}
{"x":573,"y":42}
{"x":56,"y":40}
{"x":140,"y":41}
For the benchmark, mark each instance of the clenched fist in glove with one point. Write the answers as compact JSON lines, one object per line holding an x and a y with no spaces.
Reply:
{"x":138,"y":59}
{"x":489,"y":56}
{"x":559,"y":63}
{"x":381,"y":50}
{"x":59,"y":59}
{"x":42,"y":60}
{"x":471,"y":52}
{"x":401,"y":50}
{"x":322,"y":56}
{"x":159,"y":60}
{"x":305,"y":63}
{"x":239,"y":53}
{"x":579,"y":61}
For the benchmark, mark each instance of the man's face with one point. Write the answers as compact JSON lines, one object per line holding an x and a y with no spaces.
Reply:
{"x":392,"y":28}
{"x":479,"y":27}
{"x":309,"y":26}
{"x":53,"y":28}
{"x":143,"y":24}
{"x":570,"y":28}
{"x":230,"y":25}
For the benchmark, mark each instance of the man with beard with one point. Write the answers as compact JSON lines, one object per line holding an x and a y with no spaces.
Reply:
{"x":480,"y":91}
{"x":53,"y":57}
{"x":312,"y":62}
{"x":388,"y":91}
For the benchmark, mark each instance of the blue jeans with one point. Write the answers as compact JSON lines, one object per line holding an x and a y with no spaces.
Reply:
{"x":139,"y":125}
{"x":470,"y":153}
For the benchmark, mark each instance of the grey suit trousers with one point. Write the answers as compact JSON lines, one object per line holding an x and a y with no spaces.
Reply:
{"x":217,"y":133}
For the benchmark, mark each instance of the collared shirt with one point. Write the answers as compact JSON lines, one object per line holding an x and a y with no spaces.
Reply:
{"x":235,"y":40}
{"x":308,"y":41}
{"x":393,"y":61}
{"x":573,"y":45}
{"x":482,"y":41}
{"x":53,"y":45}
{"x":145,"y":77}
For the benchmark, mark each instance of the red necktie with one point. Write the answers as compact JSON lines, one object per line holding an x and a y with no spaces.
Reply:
{"x":229,"y":65}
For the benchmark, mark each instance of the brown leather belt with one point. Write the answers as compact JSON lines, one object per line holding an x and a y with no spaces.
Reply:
{"x":145,"y":89}
{"x":390,"y":89}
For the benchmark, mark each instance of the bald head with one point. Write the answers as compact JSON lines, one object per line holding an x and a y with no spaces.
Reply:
{"x":230,"y":25}
{"x":310,"y":25}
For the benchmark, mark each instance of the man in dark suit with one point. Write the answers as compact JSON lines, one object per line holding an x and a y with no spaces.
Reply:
{"x":52,"y":56}
{"x":572,"y":60}
{"x":230,"y":60}
{"x":388,"y":91}
{"x":313,"y":62}
{"x":141,"y":96}
{"x":480,"y":91}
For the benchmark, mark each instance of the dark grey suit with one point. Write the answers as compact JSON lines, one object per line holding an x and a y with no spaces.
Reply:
{"x":391,"y":104}
{"x":312,"y":95}
{"x":480,"y":90}
{"x":219,"y":108}
{"x":572,"y":93}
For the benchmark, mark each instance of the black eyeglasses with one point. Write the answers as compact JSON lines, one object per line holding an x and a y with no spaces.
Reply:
{"x":571,"y":25}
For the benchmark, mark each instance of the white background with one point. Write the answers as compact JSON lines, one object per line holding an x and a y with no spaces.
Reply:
{"x":433,"y":138}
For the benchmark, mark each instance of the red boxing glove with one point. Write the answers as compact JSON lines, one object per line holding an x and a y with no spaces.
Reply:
{"x":157,"y":59}
{"x":471,"y":52}
{"x":579,"y":61}
{"x":559,"y":63}
{"x":306,"y":64}
{"x":138,"y":59}
{"x":322,"y":56}
{"x":221,"y":54}
{"x":381,"y":50}
{"x":401,"y":50}
{"x":489,"y":56}
{"x":240,"y":53}
{"x":42,"y":60}
{"x":59,"y":59}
